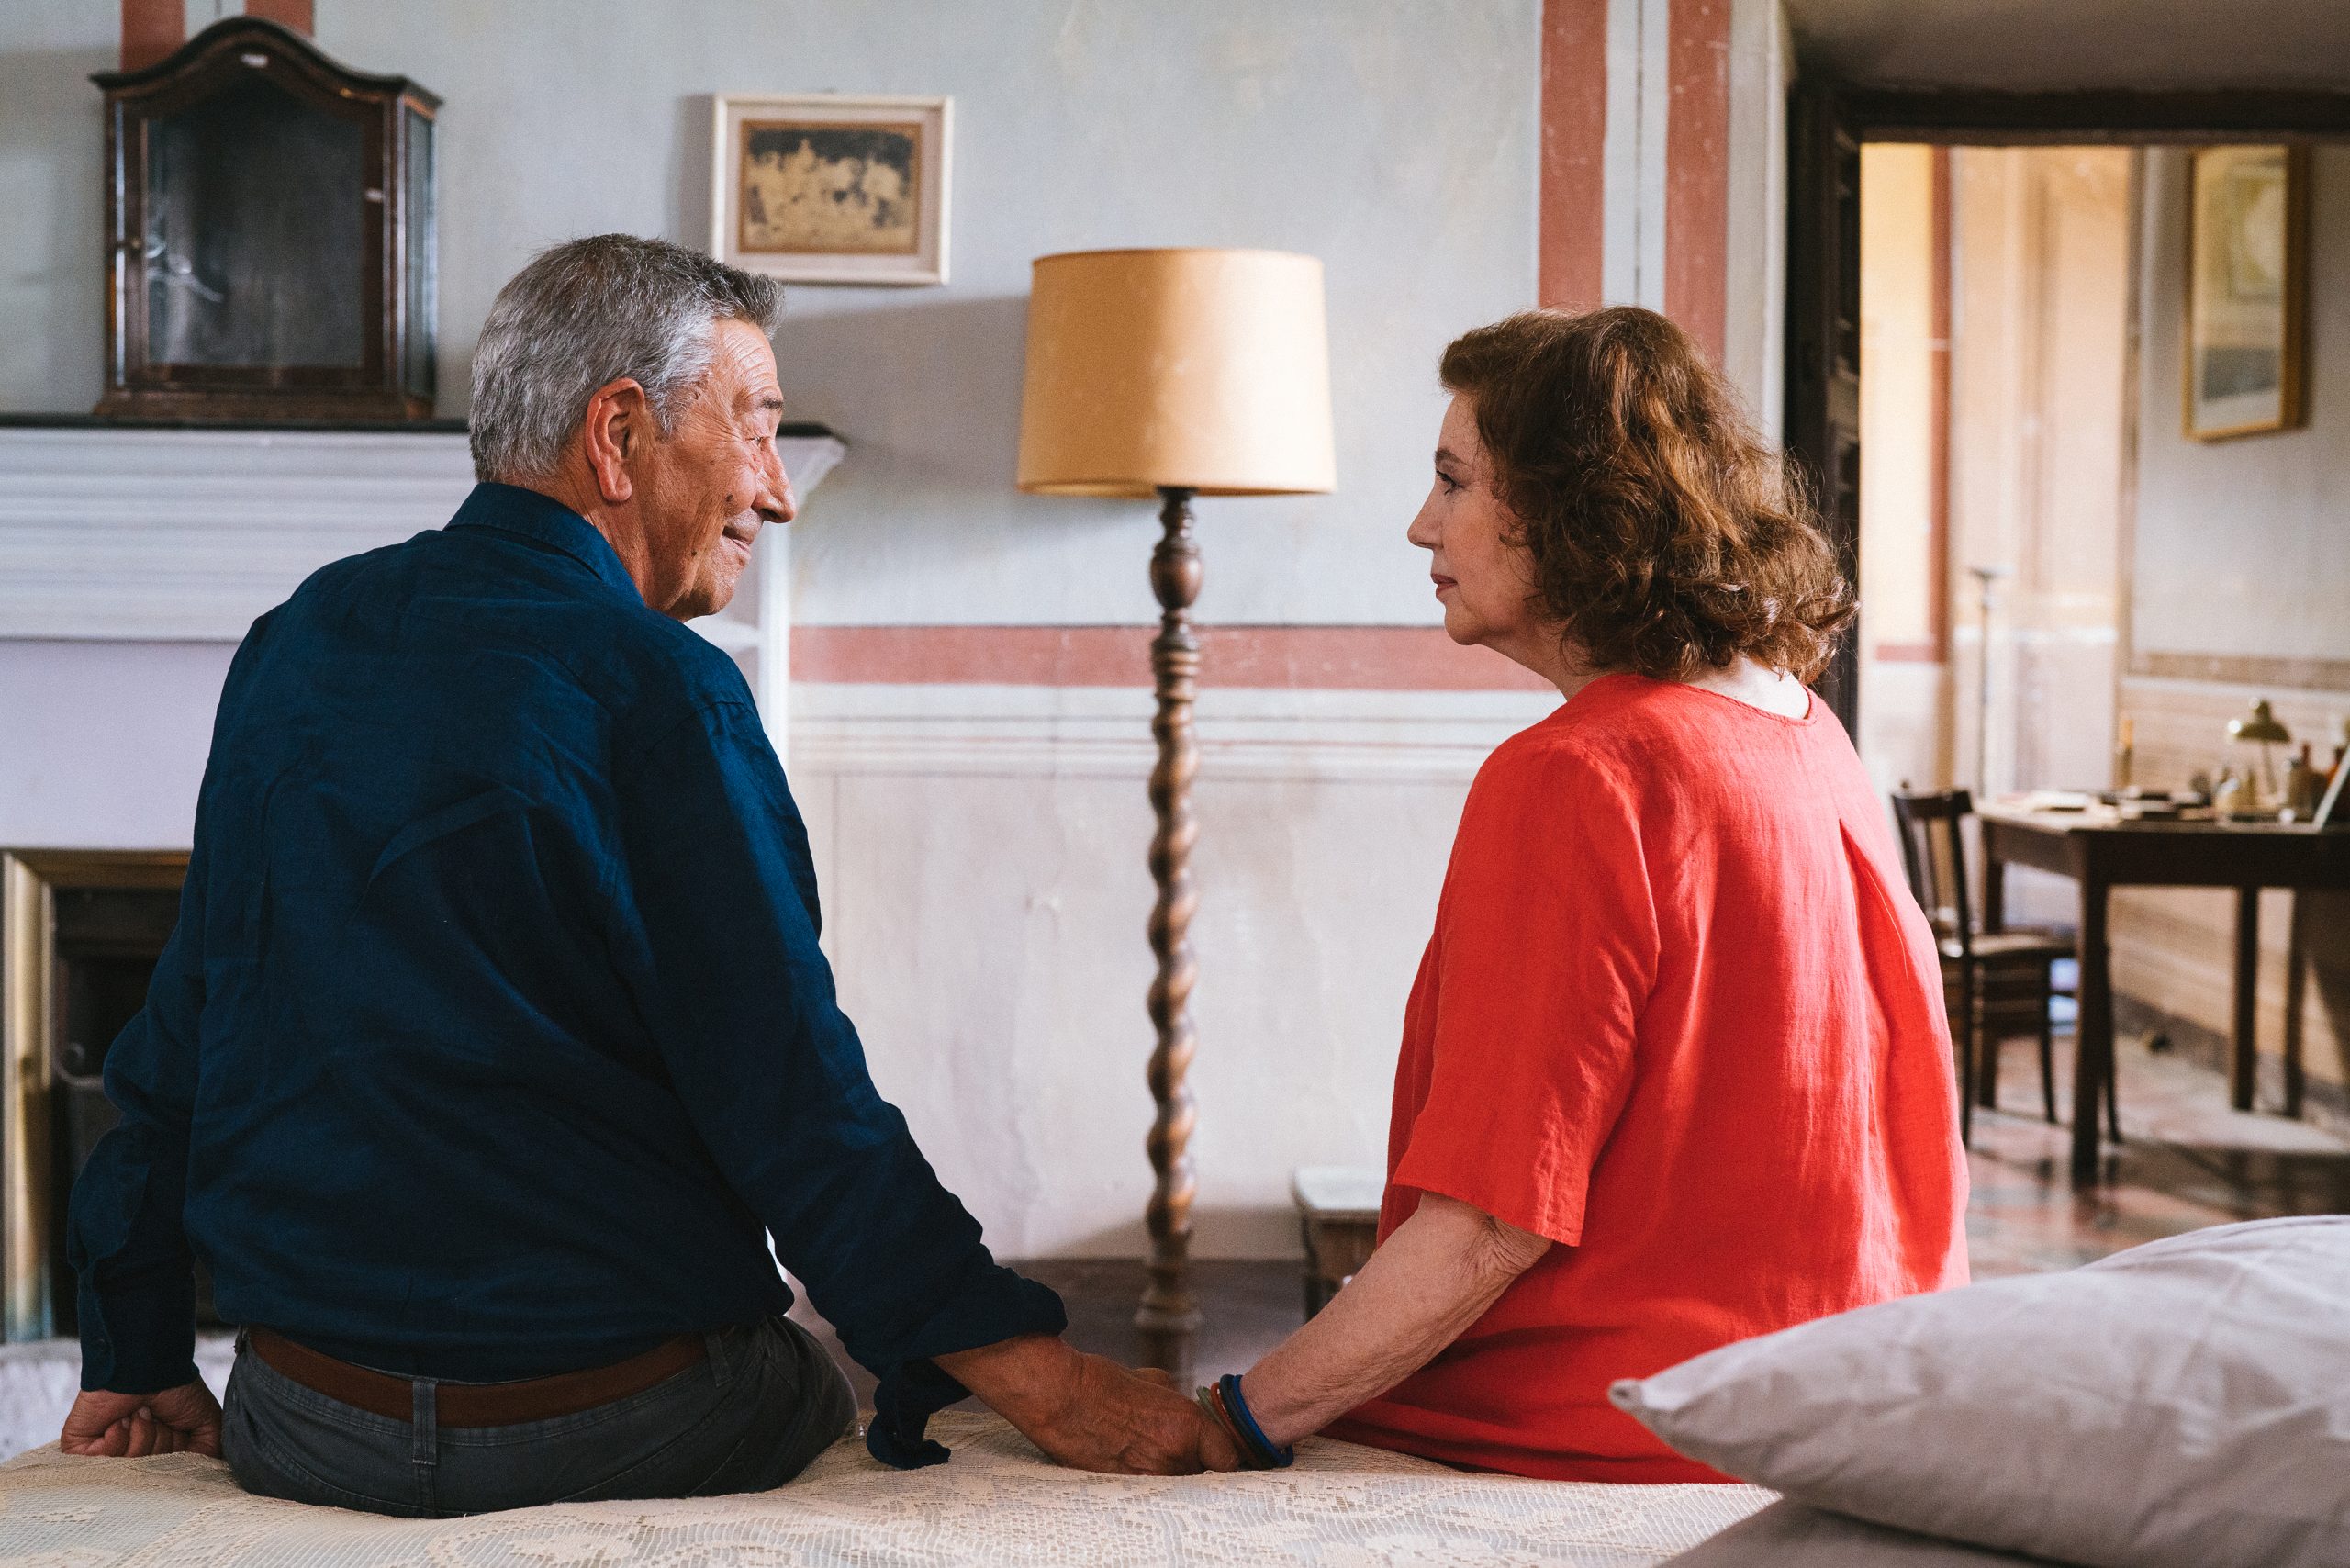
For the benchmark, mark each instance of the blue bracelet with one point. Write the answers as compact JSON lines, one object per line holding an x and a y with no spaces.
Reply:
{"x":1266,"y":1456}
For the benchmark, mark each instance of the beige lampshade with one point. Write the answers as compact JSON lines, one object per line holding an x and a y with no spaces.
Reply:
{"x":1208,"y":370}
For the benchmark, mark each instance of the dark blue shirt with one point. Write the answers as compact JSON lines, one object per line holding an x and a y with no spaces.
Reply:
{"x":494,"y":1039}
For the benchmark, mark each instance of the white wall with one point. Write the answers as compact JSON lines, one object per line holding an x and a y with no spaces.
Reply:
{"x":988,"y":920}
{"x":51,"y":308}
{"x":982,"y":850}
{"x":1397,"y":143}
{"x":2241,"y":543}
{"x":2240,"y":589}
{"x":1762,"y":66}
{"x":99,"y":748}
{"x":101,"y":744}
{"x":1900,"y":668}
{"x":986,"y":912}
{"x":2039,"y":354}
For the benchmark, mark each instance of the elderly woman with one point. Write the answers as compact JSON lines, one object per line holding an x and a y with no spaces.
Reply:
{"x":1674,"y":1070}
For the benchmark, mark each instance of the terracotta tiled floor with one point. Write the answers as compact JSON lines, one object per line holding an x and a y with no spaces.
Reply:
{"x":2188,"y":1161}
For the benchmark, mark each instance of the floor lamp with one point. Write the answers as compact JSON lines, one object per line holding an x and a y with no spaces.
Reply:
{"x":1175,"y":374}
{"x":1986,"y":579}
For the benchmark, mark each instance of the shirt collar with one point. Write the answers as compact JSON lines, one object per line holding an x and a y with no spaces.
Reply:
{"x":513,"y":510}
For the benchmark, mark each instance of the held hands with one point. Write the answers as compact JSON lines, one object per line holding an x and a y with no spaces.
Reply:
{"x":131,"y":1425}
{"x":1090,"y":1413}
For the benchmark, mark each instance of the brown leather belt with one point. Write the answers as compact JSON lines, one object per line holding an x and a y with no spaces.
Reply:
{"x":477,"y":1404}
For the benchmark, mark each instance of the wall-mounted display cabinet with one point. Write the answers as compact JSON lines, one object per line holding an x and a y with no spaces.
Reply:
{"x":270,"y":245}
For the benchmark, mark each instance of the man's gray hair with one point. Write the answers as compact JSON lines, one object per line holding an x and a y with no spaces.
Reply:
{"x":590,"y":312}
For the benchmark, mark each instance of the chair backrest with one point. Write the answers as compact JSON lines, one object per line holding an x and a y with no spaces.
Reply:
{"x":1933,"y":850}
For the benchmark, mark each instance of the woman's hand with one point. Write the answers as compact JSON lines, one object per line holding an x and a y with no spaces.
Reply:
{"x":1434,"y":1277}
{"x":133,"y":1425}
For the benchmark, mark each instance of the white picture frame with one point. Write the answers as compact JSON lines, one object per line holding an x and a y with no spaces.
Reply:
{"x":822,"y":188}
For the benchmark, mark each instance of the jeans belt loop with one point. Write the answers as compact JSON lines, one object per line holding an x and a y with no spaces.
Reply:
{"x":424,"y":1440}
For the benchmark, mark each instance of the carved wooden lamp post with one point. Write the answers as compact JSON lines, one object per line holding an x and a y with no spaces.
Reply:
{"x":1175,"y":374}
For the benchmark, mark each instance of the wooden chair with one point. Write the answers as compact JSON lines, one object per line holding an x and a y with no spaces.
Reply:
{"x":1996,"y":984}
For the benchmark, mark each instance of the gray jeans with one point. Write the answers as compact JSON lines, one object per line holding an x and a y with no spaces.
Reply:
{"x":750,"y":1417}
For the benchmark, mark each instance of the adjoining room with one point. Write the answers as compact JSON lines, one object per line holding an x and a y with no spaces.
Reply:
{"x":2050,"y":616}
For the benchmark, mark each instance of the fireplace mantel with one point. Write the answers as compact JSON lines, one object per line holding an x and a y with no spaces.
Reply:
{"x":157,"y":532}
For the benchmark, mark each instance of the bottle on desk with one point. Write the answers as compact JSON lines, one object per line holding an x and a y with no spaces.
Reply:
{"x":2304,"y":787}
{"x":2124,"y":752}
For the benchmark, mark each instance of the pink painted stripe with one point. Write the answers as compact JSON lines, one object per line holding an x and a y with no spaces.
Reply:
{"x":1907,"y":654}
{"x":1335,"y":659}
{"x":1574,"y":197}
{"x":1696,"y":172}
{"x":151,"y":30}
{"x":295,"y":14}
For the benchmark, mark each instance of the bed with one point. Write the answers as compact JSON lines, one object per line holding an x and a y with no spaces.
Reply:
{"x":1788,"y":1535}
{"x":998,"y":1502}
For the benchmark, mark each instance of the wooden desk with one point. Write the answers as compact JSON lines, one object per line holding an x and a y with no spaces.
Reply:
{"x":2100,"y":851}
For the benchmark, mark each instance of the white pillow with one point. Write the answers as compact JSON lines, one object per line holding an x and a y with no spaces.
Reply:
{"x":2182,"y":1405}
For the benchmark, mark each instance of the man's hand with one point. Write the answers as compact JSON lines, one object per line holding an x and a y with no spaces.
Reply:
{"x":1091,"y":1413}
{"x":133,"y":1425}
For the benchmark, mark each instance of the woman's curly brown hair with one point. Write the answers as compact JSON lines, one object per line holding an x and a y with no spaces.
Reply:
{"x":1666,"y":537}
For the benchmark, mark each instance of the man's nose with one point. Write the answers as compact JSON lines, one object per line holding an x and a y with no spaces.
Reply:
{"x":775,"y":502}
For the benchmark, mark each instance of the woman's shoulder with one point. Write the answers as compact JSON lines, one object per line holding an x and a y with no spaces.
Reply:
{"x":1604,"y":730}
{"x":1562,"y":757}
{"x":1557,"y":794}
{"x":1623,"y":734}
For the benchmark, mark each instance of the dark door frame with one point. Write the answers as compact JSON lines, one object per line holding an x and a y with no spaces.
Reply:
{"x":1827,"y":123}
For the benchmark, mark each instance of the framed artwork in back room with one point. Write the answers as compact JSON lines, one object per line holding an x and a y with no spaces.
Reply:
{"x":2248,"y":268}
{"x":823,"y":188}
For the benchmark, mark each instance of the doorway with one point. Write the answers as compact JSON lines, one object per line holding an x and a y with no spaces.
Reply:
{"x":1829,"y":123}
{"x":2015,"y":385}
{"x":1998,"y":405}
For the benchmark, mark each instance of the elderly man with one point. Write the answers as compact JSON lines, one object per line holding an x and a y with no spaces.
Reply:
{"x":494,"y":1042}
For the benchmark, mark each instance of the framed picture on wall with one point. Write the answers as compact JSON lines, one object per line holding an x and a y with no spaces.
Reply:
{"x":2247,"y":285}
{"x":823,"y":188}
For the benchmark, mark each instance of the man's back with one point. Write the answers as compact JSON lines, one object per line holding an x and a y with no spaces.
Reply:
{"x":424,"y":1062}
{"x":504,"y":1032}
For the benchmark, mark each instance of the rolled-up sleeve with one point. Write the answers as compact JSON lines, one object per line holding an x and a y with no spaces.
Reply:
{"x":721,"y":895}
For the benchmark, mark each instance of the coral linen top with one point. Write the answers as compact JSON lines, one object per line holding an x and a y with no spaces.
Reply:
{"x":1681,"y":1016}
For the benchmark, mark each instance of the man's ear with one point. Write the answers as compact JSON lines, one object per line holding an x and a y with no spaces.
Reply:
{"x":614,"y":433}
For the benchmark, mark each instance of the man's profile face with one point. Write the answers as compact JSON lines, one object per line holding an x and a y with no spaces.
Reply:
{"x":708,"y":486}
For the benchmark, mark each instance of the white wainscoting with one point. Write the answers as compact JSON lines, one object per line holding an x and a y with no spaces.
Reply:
{"x":1338,"y":736}
{"x":982,"y":853}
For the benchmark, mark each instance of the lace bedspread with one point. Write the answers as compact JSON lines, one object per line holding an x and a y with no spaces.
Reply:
{"x":998,"y":1503}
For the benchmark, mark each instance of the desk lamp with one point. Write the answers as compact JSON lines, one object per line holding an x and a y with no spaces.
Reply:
{"x":1174,"y":373}
{"x":2252,"y":737}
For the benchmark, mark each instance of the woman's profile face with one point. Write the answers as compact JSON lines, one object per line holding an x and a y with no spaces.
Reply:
{"x":1482,"y":578}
